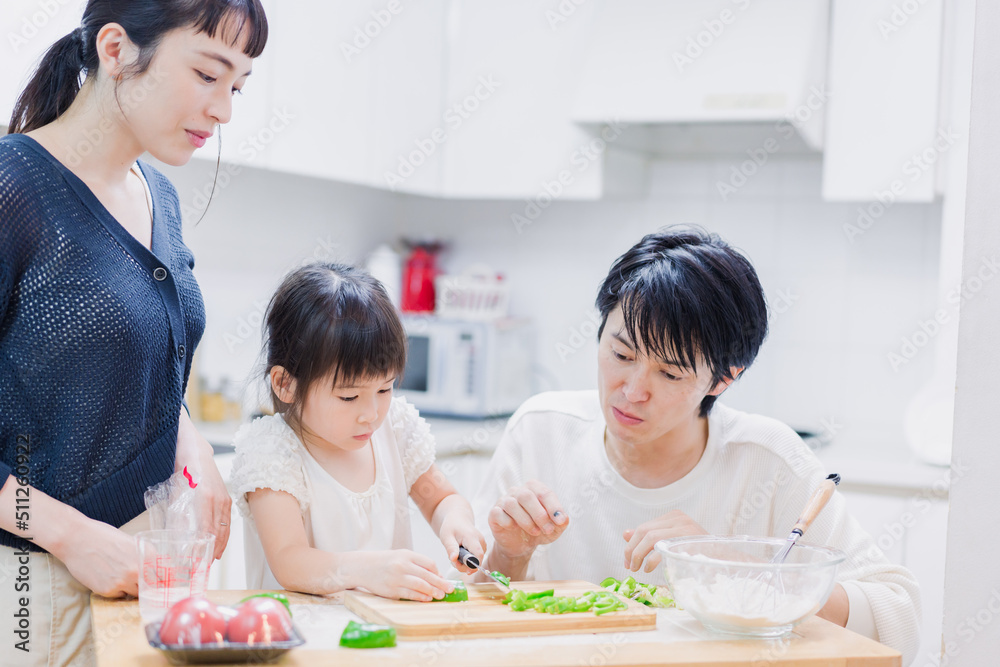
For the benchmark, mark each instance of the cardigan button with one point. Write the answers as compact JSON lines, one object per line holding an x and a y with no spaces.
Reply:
{"x":180,"y":351}
{"x":160,"y":273}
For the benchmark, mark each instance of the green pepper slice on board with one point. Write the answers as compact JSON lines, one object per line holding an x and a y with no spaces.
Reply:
{"x":460,"y":594}
{"x":367,"y":635}
{"x":541,"y":594}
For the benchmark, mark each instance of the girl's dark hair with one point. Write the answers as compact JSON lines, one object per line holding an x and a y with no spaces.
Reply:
{"x":686,"y":293}
{"x":58,"y":78}
{"x":335,"y":323}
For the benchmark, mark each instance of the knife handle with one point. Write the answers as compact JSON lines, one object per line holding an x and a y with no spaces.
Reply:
{"x":466,"y":558}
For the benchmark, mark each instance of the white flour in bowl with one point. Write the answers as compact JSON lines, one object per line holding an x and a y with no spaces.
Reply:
{"x":743,"y":601}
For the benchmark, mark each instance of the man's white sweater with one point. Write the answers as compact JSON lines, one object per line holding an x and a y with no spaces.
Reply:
{"x":754,"y":478}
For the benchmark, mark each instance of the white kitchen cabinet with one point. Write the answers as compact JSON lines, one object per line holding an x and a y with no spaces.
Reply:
{"x":910,"y":529}
{"x":511,"y":82}
{"x":882,"y":135}
{"x":326,"y":92}
{"x":407,"y":114}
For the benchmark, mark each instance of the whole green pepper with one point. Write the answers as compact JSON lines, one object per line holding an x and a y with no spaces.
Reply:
{"x":367,"y":635}
{"x":280,"y":597}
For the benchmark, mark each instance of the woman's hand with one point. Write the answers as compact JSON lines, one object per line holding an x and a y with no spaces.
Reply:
{"x":102,"y":558}
{"x":525,"y":518}
{"x":642,"y":539}
{"x":458,"y":528}
{"x":213,"y":503}
{"x":99,"y":556}
{"x":401,"y":574}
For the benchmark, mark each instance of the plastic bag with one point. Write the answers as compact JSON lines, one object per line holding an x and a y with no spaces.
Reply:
{"x":171,"y":503}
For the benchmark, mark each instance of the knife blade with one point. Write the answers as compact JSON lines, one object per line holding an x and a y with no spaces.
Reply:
{"x":467,"y":559}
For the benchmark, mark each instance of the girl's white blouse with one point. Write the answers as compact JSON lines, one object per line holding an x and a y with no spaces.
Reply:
{"x":269,"y":455}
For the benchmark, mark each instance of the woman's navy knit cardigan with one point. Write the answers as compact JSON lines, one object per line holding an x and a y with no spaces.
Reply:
{"x":96,"y":338}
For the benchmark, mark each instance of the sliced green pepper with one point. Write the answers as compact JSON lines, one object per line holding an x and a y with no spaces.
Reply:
{"x":520,"y":605}
{"x":460,"y":594}
{"x":541,"y":594}
{"x":367,"y":635}
{"x":280,"y":597}
{"x":502,"y":577}
{"x":607,"y":582}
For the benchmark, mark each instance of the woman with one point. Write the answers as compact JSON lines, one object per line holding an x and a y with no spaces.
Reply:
{"x":583,"y":484}
{"x":99,"y":310}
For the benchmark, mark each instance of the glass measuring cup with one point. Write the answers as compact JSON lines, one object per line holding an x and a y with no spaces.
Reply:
{"x":173,"y":565}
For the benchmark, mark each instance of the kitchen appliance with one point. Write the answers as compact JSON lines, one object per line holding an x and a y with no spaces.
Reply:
{"x":418,"y":278}
{"x":459,"y":368}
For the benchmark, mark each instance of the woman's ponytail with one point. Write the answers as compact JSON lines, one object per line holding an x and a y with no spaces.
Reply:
{"x":54,"y":85}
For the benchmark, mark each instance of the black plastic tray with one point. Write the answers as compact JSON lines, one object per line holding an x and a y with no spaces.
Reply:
{"x":205,"y":655}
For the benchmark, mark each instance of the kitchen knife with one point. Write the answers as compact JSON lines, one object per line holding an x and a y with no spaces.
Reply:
{"x":467,"y":559}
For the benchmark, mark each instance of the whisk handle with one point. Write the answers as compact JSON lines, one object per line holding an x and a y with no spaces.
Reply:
{"x":816,"y":503}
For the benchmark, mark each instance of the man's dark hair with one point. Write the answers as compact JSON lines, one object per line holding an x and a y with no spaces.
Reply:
{"x":686,"y":293}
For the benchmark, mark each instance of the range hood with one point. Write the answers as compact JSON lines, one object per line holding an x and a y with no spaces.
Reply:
{"x":703,"y":77}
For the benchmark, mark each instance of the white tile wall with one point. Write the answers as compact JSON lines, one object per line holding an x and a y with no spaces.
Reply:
{"x":839,"y":307}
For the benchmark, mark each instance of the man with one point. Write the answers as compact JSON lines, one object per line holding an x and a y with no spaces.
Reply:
{"x":583,"y":484}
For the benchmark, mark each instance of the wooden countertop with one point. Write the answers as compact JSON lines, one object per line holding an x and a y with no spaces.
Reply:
{"x":679,"y":639}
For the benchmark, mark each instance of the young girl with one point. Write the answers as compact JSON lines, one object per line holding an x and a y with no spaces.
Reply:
{"x":324,"y":483}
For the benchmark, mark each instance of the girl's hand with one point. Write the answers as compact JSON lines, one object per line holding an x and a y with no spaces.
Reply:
{"x":213,"y":503}
{"x":401,"y":574}
{"x":641,"y":540}
{"x":457,"y":529}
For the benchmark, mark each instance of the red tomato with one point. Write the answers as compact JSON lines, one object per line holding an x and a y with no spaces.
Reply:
{"x":193,"y":621}
{"x":260,"y":621}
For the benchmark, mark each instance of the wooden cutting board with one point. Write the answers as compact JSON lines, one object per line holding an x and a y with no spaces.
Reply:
{"x":484,"y":614}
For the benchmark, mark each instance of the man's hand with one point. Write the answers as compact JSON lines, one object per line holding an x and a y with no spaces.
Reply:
{"x":526,"y":517}
{"x":641,"y":540}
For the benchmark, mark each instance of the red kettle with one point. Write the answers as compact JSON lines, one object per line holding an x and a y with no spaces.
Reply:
{"x":418,"y":279}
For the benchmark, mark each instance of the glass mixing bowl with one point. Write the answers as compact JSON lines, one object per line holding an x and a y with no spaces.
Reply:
{"x":729,"y":584}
